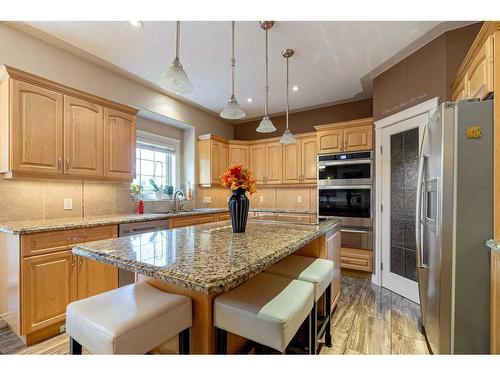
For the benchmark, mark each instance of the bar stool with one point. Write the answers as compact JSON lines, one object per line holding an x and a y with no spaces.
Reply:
{"x":318,"y":272}
{"x":133,"y":319}
{"x":266,"y":309}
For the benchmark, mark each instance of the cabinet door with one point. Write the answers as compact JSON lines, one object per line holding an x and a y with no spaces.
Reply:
{"x":223,"y":160}
{"x":333,"y":253}
{"x":119,"y":145}
{"x":358,"y":138}
{"x":258,"y":162}
{"x":37,"y":129}
{"x":95,"y":277}
{"x":216,"y":150}
{"x":308,"y":159}
{"x":83,"y":133}
{"x":49,"y":284}
{"x":479,"y":77}
{"x":292,"y":171}
{"x":330,"y":141}
{"x":459,"y":92}
{"x":274,"y":157}
{"x":238,"y":154}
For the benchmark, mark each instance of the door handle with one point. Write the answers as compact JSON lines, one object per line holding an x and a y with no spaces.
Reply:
{"x":418,"y":211}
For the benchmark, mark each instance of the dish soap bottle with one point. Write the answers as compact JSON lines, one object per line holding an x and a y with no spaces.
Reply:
{"x":189,"y":194}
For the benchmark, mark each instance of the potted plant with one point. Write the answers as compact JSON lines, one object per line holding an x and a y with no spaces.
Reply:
{"x":157,"y":189}
{"x":239,"y":180}
{"x":168,"y":190}
{"x":135,"y":191}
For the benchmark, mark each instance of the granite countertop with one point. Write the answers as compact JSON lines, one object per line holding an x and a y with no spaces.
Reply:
{"x":494,"y":245}
{"x":206,"y":258}
{"x":37,"y":226}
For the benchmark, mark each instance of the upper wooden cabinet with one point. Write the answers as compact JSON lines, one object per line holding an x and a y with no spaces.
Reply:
{"x":239,"y":154}
{"x":273,"y":162}
{"x":50,"y":130}
{"x":474,"y":79}
{"x":355,"y":135}
{"x":213,"y":159}
{"x":83,"y":134}
{"x":36,"y":129}
{"x":300,"y":160}
{"x":119,"y":145}
{"x":258,"y":162}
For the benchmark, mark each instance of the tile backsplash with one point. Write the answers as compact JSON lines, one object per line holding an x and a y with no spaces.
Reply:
{"x":31,"y":199}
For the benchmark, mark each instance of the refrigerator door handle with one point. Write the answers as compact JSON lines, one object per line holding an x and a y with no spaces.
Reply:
{"x":418,"y":214}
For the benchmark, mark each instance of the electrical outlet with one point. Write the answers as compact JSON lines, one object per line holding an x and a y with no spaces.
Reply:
{"x":261,"y":199}
{"x":68,"y":203}
{"x":207,"y":199}
{"x":299,"y":199}
{"x":62,"y":328}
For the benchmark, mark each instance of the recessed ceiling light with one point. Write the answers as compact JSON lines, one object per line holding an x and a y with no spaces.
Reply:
{"x":249,"y":100}
{"x":136,"y":24}
{"x":295,"y":88}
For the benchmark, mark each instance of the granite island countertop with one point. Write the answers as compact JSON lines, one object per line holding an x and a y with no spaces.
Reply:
{"x":206,"y":258}
{"x":37,"y":226}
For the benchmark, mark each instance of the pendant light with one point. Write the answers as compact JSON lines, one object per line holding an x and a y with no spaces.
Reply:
{"x":175,"y":78}
{"x":287,"y":136}
{"x":266,"y":125}
{"x":232,"y":110}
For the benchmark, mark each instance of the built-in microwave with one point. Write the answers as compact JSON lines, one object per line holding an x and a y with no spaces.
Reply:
{"x":354,"y":168}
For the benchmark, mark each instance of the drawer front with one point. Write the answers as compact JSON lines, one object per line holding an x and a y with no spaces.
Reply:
{"x":49,"y":242}
{"x":356,"y":259}
{"x":223,"y":216}
{"x":192,"y":220}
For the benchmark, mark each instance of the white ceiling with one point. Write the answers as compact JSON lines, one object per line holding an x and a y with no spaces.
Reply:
{"x":330,"y":58}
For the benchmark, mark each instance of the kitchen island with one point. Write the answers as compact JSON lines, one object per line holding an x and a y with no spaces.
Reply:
{"x":206,"y":260}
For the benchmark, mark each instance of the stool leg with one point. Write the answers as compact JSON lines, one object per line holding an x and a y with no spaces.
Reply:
{"x":184,"y":347}
{"x":75,"y":348}
{"x":220,"y":341}
{"x":313,"y":335}
{"x":328,"y":330}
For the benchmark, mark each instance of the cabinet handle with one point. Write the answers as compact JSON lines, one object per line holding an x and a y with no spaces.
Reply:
{"x":59,"y":163}
{"x":81,"y":261}
{"x":67,"y":164}
{"x":76,"y":238}
{"x":72,"y":260}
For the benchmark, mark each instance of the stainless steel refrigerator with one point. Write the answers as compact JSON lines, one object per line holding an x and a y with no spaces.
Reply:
{"x":454,"y":218}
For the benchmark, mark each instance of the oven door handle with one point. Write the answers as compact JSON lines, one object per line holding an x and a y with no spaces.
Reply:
{"x":338,"y":187}
{"x":344,"y":162}
{"x":364,"y":231}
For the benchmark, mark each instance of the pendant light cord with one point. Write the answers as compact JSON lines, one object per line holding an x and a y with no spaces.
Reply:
{"x":267,"y":78}
{"x":233,"y":61}
{"x":177,"y":40}
{"x":287,"y":94}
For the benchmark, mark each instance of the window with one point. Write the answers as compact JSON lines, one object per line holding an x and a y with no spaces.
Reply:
{"x":156,"y":159}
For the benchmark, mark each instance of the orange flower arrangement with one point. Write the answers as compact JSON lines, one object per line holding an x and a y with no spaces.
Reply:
{"x":236,"y":177}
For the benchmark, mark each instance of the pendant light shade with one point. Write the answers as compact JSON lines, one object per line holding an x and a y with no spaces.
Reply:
{"x":266,"y":125}
{"x":175,"y":78}
{"x":232,"y":110}
{"x":287,"y":137}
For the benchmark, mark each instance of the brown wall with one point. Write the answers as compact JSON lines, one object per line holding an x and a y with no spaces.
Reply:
{"x":302,"y":122}
{"x":424,"y":74}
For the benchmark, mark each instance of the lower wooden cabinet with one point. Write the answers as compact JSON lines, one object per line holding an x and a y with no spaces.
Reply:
{"x":186,"y":221}
{"x":95,"y":277}
{"x":356,"y":259}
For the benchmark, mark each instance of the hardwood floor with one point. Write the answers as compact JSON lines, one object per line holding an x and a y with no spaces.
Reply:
{"x":368,"y":320}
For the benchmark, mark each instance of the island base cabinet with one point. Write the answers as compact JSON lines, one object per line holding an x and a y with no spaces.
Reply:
{"x":95,"y":277}
{"x":49,"y":284}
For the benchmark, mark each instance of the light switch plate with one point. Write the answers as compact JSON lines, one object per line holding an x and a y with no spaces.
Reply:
{"x":261,"y":199}
{"x":68,"y":203}
{"x":207,"y":199}
{"x":299,"y":199}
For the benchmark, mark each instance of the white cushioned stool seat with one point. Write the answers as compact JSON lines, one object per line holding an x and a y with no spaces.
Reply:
{"x":266,"y":309}
{"x":129,"y":320}
{"x":319,"y":272}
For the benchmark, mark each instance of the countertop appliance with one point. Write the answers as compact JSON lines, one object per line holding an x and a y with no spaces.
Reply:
{"x":131,"y":229}
{"x":454,"y":218}
{"x":345,"y":192}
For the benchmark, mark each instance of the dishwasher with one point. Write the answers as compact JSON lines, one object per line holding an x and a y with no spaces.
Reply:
{"x":131,"y":229}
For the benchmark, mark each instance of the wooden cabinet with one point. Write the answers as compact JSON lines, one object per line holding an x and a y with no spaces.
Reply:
{"x":119,"y":145}
{"x":258,"y":162}
{"x":348,"y":136}
{"x":459,"y":92}
{"x":479,"y":76}
{"x":50,"y":130}
{"x":95,"y":277}
{"x":356,"y":259}
{"x":273,"y":163}
{"x":332,"y":239}
{"x":185,"y":221}
{"x":299,"y":161}
{"x":239,"y":154}
{"x":213,"y":159}
{"x":49,"y":284}
{"x":83,"y":138}
{"x":37,"y":133}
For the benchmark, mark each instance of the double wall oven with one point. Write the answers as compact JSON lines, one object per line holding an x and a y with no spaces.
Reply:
{"x":345,"y":192}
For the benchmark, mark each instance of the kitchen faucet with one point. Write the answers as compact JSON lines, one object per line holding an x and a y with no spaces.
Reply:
{"x":176,"y":207}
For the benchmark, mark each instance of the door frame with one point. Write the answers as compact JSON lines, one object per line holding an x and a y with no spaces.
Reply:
{"x":429,"y":107}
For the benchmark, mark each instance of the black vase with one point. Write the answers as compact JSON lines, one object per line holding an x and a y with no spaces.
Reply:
{"x":238,"y":210}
